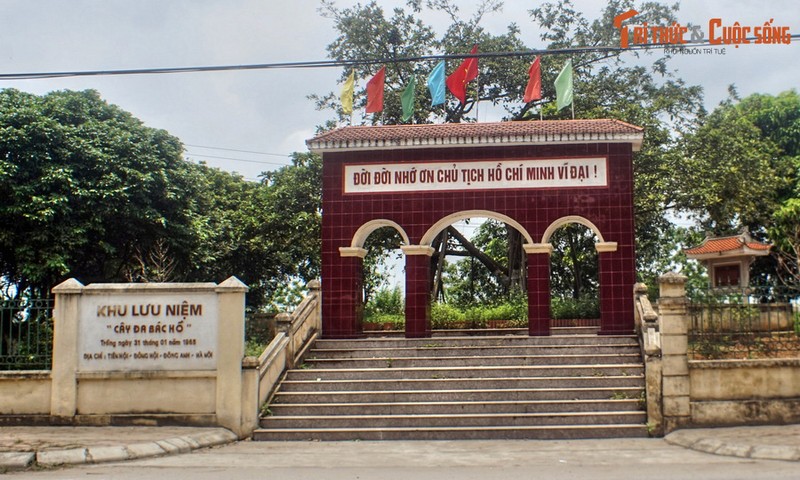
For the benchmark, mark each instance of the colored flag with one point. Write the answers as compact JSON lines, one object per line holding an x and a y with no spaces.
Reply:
{"x":533,"y":91}
{"x":375,"y":91}
{"x":346,"y":96}
{"x":563,"y":85}
{"x":436,"y":84}
{"x":465,"y":73}
{"x":407,"y":99}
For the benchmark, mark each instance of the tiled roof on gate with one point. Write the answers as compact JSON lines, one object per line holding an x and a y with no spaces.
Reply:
{"x":720,"y":245}
{"x":477,"y":134}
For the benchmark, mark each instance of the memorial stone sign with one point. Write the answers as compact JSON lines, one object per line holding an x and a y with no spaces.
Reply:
{"x":148,"y":332}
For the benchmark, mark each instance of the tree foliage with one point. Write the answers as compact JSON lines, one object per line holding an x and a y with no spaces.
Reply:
{"x":740,"y":170}
{"x":85,"y":184}
{"x":93,"y":193}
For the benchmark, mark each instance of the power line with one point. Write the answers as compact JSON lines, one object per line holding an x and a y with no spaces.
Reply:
{"x":236,"y":150}
{"x":189,"y":154}
{"x":345,"y":63}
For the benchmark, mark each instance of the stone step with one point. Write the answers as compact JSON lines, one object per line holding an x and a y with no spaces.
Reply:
{"x":473,"y":395}
{"x":574,"y":385}
{"x":453,"y":420}
{"x":319,"y":384}
{"x":439,"y":408}
{"x":538,"y":432}
{"x":474,"y":351}
{"x":486,"y":332}
{"x":504,"y":341}
{"x":481,"y":372}
{"x":475,"y":361}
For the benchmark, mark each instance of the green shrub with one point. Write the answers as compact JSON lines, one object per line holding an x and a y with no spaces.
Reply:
{"x":565,"y":307}
{"x":385,"y":301}
{"x":398,"y":321}
{"x":444,"y":315}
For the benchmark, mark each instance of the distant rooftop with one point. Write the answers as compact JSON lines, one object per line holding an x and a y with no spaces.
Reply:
{"x":477,"y":134}
{"x":741,"y":244}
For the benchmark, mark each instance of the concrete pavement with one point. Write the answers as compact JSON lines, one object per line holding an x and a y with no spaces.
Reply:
{"x":765,"y":443}
{"x":24,"y":447}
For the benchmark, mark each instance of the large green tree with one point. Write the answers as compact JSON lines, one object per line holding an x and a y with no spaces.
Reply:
{"x":85,"y":184}
{"x":91,"y":192}
{"x":742,"y":163}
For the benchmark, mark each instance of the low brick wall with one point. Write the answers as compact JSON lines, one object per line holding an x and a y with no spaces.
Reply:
{"x":744,"y":392}
{"x":709,"y":393}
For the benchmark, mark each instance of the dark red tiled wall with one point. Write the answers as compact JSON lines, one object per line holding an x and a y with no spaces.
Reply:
{"x":609,"y":208}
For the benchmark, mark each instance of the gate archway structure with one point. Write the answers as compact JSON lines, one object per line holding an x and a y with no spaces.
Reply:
{"x":535,"y":176}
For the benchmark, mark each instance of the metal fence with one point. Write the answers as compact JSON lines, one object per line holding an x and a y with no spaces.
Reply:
{"x":744,"y":323}
{"x":27,"y":334}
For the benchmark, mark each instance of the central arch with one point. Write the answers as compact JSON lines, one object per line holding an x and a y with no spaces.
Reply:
{"x":437,"y":227}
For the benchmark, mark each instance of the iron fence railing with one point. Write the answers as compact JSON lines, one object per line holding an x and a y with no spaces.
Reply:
{"x":748,"y":322}
{"x":26,"y":325}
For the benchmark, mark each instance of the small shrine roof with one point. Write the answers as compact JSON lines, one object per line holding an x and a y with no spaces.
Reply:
{"x":736,"y":245}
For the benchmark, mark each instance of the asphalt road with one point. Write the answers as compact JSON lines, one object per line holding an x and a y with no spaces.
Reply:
{"x":651,"y":459}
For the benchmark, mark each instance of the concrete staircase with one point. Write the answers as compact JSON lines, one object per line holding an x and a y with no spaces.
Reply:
{"x":569,"y":385}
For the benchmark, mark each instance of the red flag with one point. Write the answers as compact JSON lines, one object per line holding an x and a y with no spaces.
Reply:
{"x":534,"y":89}
{"x":375,"y":91}
{"x":465,"y":73}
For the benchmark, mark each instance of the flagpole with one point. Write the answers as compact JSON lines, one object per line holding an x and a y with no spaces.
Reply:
{"x":477,"y":93}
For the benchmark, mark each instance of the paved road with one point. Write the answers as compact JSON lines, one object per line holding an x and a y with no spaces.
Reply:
{"x":652,"y":459}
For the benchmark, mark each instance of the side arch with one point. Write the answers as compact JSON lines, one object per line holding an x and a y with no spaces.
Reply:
{"x":365,"y":230}
{"x":437,"y":227}
{"x":572,"y":219}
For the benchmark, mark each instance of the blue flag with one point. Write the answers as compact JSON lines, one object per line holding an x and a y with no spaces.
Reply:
{"x":436,"y":84}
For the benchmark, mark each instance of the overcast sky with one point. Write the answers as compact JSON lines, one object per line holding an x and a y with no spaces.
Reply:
{"x":267,"y":110}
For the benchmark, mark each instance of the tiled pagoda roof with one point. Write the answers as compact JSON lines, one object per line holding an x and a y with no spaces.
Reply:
{"x":477,"y":134}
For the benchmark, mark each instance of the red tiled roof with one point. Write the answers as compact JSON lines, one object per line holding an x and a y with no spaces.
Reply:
{"x":451,"y":134}
{"x":727,"y":244}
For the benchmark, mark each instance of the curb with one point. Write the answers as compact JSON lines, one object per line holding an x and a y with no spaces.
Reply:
{"x":116,"y":453}
{"x":732,"y":448}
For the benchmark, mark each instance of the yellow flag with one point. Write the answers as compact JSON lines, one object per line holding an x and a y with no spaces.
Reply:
{"x":346,"y":96}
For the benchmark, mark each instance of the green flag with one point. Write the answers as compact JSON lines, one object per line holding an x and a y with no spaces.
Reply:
{"x":347,"y":93}
{"x":563,"y":85}
{"x":407,"y":99}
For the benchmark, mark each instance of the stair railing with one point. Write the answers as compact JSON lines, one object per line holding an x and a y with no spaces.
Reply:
{"x":296,"y":333}
{"x":648,"y":331}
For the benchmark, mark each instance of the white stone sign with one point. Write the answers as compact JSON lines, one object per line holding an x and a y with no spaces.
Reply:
{"x":159,"y":331}
{"x":480,"y":175}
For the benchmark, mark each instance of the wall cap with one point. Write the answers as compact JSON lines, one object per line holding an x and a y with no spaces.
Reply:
{"x":232,"y":285}
{"x":70,"y":285}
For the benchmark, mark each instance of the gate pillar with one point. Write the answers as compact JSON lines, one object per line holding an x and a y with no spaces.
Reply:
{"x":538,"y":288}
{"x":418,"y":290}
{"x":346,"y":296}
{"x":616,"y":272}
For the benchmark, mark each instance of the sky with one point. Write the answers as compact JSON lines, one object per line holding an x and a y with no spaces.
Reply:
{"x":267,"y":111}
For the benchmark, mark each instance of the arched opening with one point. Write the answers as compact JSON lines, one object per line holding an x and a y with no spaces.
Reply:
{"x":382,"y":287}
{"x":574,"y":276}
{"x":478,"y":274}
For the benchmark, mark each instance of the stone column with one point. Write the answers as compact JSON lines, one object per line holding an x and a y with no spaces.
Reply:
{"x":418,"y":291}
{"x":230,"y":352}
{"x":64,"y":384}
{"x":538,"y":288}
{"x":672,"y":308}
